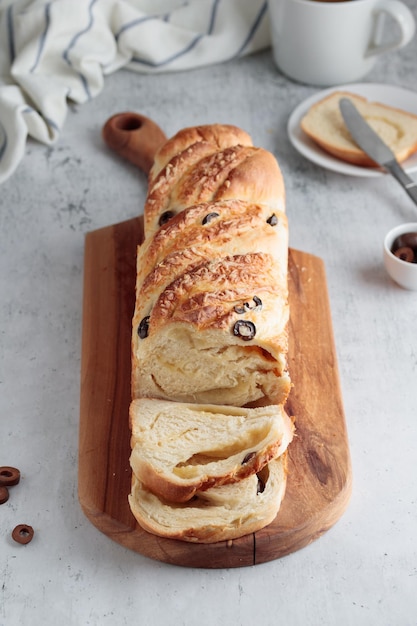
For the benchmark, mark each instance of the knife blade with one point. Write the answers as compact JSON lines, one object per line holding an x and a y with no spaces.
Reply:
{"x":371,"y":143}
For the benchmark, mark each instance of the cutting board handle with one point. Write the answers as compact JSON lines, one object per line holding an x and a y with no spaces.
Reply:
{"x":134,"y":137}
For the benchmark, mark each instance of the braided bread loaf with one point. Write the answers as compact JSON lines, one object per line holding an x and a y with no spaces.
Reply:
{"x":210,"y":322}
{"x":210,"y":328}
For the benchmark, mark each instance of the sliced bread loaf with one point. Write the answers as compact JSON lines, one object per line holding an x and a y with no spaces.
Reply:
{"x":218,"y":514}
{"x":178,"y":449}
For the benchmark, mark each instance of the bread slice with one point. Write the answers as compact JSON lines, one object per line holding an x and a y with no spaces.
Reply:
{"x":179,"y":449}
{"x":218,"y":514}
{"x":324,"y":124}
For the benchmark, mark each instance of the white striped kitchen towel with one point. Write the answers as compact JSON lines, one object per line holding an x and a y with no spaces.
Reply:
{"x":57,"y":51}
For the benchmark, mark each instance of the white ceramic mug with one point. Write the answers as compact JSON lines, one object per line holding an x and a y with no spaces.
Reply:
{"x":330,"y":43}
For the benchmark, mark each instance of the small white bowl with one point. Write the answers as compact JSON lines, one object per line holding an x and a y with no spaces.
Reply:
{"x":403,"y":272}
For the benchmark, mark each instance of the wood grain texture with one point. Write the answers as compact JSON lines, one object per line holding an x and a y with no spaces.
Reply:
{"x":319,"y":469}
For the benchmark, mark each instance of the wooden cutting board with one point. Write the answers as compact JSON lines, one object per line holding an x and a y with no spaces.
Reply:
{"x":319,"y":478}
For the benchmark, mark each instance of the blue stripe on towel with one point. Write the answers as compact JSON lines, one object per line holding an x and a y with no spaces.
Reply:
{"x":167,"y":16}
{"x":43,"y":36}
{"x":72,"y":43}
{"x":133,"y":23}
{"x":10,"y":32}
{"x":178,"y":54}
{"x":30,"y":110}
{"x":213,"y":16}
{"x":3,"y":145}
{"x":51,"y":123}
{"x":253,"y":29}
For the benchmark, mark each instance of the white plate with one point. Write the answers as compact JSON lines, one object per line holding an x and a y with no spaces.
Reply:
{"x":387,"y":94}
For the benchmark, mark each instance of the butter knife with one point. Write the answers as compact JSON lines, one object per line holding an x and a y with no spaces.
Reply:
{"x":371,"y":143}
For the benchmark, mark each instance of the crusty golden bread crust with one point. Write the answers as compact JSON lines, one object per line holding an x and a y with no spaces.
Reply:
{"x":218,"y":136}
{"x":324,"y":124}
{"x":201,"y":175}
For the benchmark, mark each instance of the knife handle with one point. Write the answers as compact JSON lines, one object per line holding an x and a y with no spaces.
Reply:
{"x":405,"y":181}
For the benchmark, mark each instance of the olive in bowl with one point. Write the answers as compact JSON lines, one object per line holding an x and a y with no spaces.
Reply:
{"x":400,"y":255}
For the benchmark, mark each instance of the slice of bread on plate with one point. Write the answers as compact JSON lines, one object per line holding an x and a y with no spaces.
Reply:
{"x":324,"y":124}
{"x":218,"y":514}
{"x":179,"y":449}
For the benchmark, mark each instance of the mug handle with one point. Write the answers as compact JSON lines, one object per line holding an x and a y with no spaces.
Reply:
{"x":402,"y":15}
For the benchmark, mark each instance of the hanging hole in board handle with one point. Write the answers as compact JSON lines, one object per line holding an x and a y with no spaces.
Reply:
{"x":134,"y":137}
